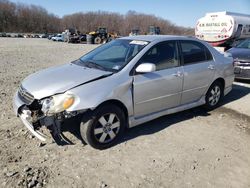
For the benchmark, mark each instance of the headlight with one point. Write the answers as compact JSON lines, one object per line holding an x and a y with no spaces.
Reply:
{"x":57,"y":103}
{"x":235,"y":63}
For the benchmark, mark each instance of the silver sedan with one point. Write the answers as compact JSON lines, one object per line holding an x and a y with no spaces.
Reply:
{"x":122,"y":84}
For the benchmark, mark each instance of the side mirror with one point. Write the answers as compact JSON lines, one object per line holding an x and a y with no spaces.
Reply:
{"x":146,"y":67}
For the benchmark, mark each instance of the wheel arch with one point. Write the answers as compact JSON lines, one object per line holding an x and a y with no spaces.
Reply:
{"x":119,"y":104}
{"x":222,"y":81}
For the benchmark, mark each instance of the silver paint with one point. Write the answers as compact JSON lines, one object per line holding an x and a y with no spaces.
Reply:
{"x":145,"y":96}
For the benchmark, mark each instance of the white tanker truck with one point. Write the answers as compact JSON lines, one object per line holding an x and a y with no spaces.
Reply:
{"x":221,"y":29}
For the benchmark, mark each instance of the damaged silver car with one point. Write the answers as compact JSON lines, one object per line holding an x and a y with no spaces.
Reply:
{"x":122,"y":84}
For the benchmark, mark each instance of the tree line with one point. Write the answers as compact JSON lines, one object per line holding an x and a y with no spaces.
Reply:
{"x":17,"y":17}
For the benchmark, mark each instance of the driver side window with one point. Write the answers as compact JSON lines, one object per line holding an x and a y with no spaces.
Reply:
{"x":163,"y":55}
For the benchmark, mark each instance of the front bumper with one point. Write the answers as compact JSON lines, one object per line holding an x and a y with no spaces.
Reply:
{"x":242,"y":72}
{"x":25,"y":116}
{"x":17,"y":103}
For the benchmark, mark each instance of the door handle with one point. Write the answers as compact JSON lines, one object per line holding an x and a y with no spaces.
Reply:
{"x":211,"y":67}
{"x":177,"y":74}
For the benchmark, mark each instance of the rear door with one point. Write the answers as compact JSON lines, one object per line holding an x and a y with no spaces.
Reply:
{"x":161,"y":89}
{"x":198,"y":69}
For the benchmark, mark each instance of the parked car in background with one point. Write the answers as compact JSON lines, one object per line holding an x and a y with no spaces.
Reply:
{"x":73,"y":39}
{"x":35,"y":36}
{"x":58,"y":37}
{"x":83,"y":37}
{"x":3,"y":35}
{"x":236,"y":42}
{"x":50,"y":36}
{"x":124,"y":83}
{"x":13,"y":35}
{"x":241,"y":55}
{"x":20,"y":35}
{"x":43,"y":36}
{"x":27,"y":36}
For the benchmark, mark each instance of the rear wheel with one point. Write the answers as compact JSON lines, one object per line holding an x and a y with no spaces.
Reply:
{"x":105,"y":41}
{"x":104,"y":127}
{"x":98,"y":40}
{"x":214,"y":95}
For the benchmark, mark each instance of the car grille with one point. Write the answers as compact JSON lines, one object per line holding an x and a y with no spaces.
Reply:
{"x":242,"y":63}
{"x":244,"y":74}
{"x":25,"y":96}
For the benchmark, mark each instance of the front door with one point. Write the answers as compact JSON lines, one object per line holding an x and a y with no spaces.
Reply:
{"x":159,"y":90}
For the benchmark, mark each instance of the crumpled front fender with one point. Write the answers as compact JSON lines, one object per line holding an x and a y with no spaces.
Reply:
{"x":91,"y":95}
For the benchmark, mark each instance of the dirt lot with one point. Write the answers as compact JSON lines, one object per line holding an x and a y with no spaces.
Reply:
{"x":194,"y":148}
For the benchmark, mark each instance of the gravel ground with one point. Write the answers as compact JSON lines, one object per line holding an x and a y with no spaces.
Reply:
{"x":241,"y":103}
{"x":194,"y":148}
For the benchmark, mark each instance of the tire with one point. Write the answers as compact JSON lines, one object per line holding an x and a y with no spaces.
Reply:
{"x":110,"y":39}
{"x":98,"y":40}
{"x":104,"y":127}
{"x":104,"y":41}
{"x":214,"y":95}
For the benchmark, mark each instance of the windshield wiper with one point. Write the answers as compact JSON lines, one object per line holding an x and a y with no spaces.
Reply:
{"x":95,"y":65}
{"x":92,"y":64}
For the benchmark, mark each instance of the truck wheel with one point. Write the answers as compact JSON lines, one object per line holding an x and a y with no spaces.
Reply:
{"x":104,"y":41}
{"x":214,"y":95}
{"x":104,"y":127}
{"x":98,"y":40}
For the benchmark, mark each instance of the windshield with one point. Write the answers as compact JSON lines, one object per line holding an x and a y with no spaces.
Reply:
{"x":114,"y":55}
{"x":244,"y":44}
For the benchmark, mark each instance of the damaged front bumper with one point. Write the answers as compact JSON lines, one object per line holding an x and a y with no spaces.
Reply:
{"x":34,"y":119}
{"x":25,"y":116}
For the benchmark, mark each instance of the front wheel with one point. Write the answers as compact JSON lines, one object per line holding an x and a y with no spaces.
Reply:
{"x":214,"y":95}
{"x":104,"y":127}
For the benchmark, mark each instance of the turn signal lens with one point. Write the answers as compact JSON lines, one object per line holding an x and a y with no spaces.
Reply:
{"x":68,"y":102}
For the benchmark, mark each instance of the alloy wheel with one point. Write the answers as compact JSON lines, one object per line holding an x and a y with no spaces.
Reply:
{"x":214,"y":96}
{"x":107,"y":128}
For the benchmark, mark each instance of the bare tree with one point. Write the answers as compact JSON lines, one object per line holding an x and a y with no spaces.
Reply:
{"x":121,"y":24}
{"x":16,"y":17}
{"x":25,"y":18}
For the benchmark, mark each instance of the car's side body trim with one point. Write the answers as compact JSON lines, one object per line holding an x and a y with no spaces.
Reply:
{"x":136,"y":121}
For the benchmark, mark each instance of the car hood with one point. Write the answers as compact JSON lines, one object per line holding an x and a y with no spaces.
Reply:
{"x":240,"y":53}
{"x":60,"y":79}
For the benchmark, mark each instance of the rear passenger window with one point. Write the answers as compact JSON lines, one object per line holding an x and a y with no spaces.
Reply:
{"x":194,"y":52}
{"x":163,"y":55}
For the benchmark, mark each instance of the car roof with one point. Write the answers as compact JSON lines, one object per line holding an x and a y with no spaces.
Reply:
{"x":151,"y":38}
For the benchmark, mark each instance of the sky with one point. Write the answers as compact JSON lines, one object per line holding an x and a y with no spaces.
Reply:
{"x":179,"y":12}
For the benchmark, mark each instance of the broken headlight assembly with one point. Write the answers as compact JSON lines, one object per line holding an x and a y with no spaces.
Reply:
{"x":57,"y":103}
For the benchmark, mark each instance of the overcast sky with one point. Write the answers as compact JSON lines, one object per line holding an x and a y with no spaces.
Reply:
{"x":180,"y":12}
